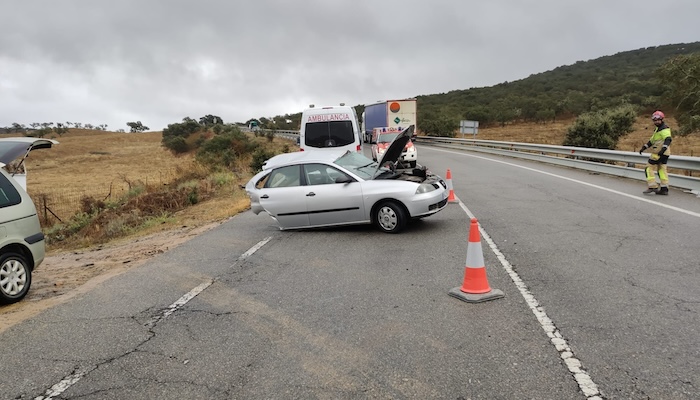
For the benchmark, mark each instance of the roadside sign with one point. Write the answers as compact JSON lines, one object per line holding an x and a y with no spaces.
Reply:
{"x":466,"y":126}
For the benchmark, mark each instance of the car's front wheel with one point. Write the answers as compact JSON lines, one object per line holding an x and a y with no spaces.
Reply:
{"x":15,"y":277}
{"x":390,"y":217}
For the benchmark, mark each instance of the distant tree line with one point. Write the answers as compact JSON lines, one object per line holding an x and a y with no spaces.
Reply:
{"x":41,"y":129}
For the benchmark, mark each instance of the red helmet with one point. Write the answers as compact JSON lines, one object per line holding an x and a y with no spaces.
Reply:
{"x":657,"y":115}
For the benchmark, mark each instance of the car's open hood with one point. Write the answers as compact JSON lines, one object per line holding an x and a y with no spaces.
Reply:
{"x":19,"y":147}
{"x":396,"y":147}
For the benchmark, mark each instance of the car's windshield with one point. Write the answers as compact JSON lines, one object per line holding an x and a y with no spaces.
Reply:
{"x":387,"y":137}
{"x":358,"y":164}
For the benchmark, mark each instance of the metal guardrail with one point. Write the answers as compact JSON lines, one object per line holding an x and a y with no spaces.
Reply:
{"x":578,"y":157}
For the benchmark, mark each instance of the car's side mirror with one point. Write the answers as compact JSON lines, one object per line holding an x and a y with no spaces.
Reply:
{"x":343,"y":179}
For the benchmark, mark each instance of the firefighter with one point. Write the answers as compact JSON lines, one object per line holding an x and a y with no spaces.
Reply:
{"x":660,"y":148}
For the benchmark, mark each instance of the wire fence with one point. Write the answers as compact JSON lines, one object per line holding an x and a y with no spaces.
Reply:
{"x":60,"y":204}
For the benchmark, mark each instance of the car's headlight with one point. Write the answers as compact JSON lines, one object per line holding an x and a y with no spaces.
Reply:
{"x":425,"y":188}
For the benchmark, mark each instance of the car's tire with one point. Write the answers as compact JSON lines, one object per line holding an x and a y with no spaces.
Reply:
{"x":390,"y":217}
{"x":15,"y":277}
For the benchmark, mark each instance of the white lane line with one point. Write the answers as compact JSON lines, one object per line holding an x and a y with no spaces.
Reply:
{"x":179,"y":303}
{"x":254,"y":248}
{"x":73,"y":378}
{"x":694,"y":214}
{"x":585,"y":383}
{"x":64,"y":384}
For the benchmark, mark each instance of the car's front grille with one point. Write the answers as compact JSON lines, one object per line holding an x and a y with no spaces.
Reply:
{"x":437,"y":205}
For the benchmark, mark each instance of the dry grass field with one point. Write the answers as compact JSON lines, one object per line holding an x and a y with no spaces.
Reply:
{"x":105,"y":165}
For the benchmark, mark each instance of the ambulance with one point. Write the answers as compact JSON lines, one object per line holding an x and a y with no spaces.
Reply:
{"x":329,"y":128}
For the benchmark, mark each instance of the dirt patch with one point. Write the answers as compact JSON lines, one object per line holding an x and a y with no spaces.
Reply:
{"x":64,"y":275}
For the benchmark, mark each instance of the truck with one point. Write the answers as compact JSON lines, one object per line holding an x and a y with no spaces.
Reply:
{"x":389,"y":113}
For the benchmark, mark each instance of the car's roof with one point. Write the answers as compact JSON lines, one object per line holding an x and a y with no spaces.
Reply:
{"x":303,"y":156}
{"x":14,"y":147}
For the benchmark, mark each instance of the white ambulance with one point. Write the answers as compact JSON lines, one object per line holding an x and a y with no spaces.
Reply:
{"x":329,"y":128}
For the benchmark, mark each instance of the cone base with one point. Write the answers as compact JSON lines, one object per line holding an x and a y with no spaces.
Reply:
{"x":476,"y":298}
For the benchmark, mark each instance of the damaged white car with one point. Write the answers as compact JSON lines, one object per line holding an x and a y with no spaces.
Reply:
{"x":330,"y":188}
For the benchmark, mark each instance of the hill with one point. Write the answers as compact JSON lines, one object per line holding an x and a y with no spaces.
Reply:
{"x":566,"y":91}
{"x":557,"y":95}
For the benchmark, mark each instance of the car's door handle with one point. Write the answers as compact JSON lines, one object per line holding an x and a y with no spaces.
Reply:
{"x":264,"y":196}
{"x":311,"y":194}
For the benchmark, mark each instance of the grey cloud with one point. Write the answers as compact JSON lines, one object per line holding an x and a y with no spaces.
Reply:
{"x":157,"y":61}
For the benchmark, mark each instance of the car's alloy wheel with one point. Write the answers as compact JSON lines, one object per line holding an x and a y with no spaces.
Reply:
{"x":390,"y":217}
{"x":15,"y":277}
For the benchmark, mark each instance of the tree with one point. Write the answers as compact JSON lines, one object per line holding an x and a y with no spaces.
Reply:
{"x":175,"y":135}
{"x":137,"y":126}
{"x":60,"y":129}
{"x":211,"y":120}
{"x":681,"y":75}
{"x":439,"y":124}
{"x":17,"y":127}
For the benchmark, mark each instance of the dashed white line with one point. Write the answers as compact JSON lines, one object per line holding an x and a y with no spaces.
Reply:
{"x":584,"y":381}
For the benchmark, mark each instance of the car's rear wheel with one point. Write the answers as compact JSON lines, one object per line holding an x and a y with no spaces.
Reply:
{"x":390,"y":217}
{"x":15,"y":277}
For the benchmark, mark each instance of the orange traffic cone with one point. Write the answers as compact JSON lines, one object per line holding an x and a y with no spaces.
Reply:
{"x":475,"y":287}
{"x":451,"y":197}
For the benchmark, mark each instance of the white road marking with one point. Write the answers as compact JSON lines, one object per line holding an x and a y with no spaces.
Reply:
{"x":694,"y":214}
{"x":585,"y":383}
{"x":73,"y":378}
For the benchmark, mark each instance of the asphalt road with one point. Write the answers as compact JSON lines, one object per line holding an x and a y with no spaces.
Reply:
{"x":602,"y":295}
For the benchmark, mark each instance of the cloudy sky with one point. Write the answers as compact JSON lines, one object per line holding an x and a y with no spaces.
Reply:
{"x":158,"y":61}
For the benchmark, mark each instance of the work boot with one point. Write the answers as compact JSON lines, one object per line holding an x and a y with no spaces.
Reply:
{"x":653,"y":191}
{"x":663,"y":191}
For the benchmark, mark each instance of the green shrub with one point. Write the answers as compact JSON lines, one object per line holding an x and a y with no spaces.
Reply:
{"x":175,"y":135}
{"x":601,"y":129}
{"x":259,"y":157}
{"x":177,"y":144}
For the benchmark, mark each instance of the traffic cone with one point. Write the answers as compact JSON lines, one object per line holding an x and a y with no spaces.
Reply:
{"x":475,"y":287}
{"x":451,"y":197}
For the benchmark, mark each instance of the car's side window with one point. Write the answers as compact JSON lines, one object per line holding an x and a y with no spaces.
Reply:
{"x":321,"y":174}
{"x":283,"y":177}
{"x":317,"y":174}
{"x":9,"y":196}
{"x":262,"y":182}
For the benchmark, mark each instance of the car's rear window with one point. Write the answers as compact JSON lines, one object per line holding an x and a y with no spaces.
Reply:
{"x":9,"y":196}
{"x":387,"y":137}
{"x":329,"y":134}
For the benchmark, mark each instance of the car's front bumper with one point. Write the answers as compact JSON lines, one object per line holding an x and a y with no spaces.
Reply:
{"x":428,"y":203}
